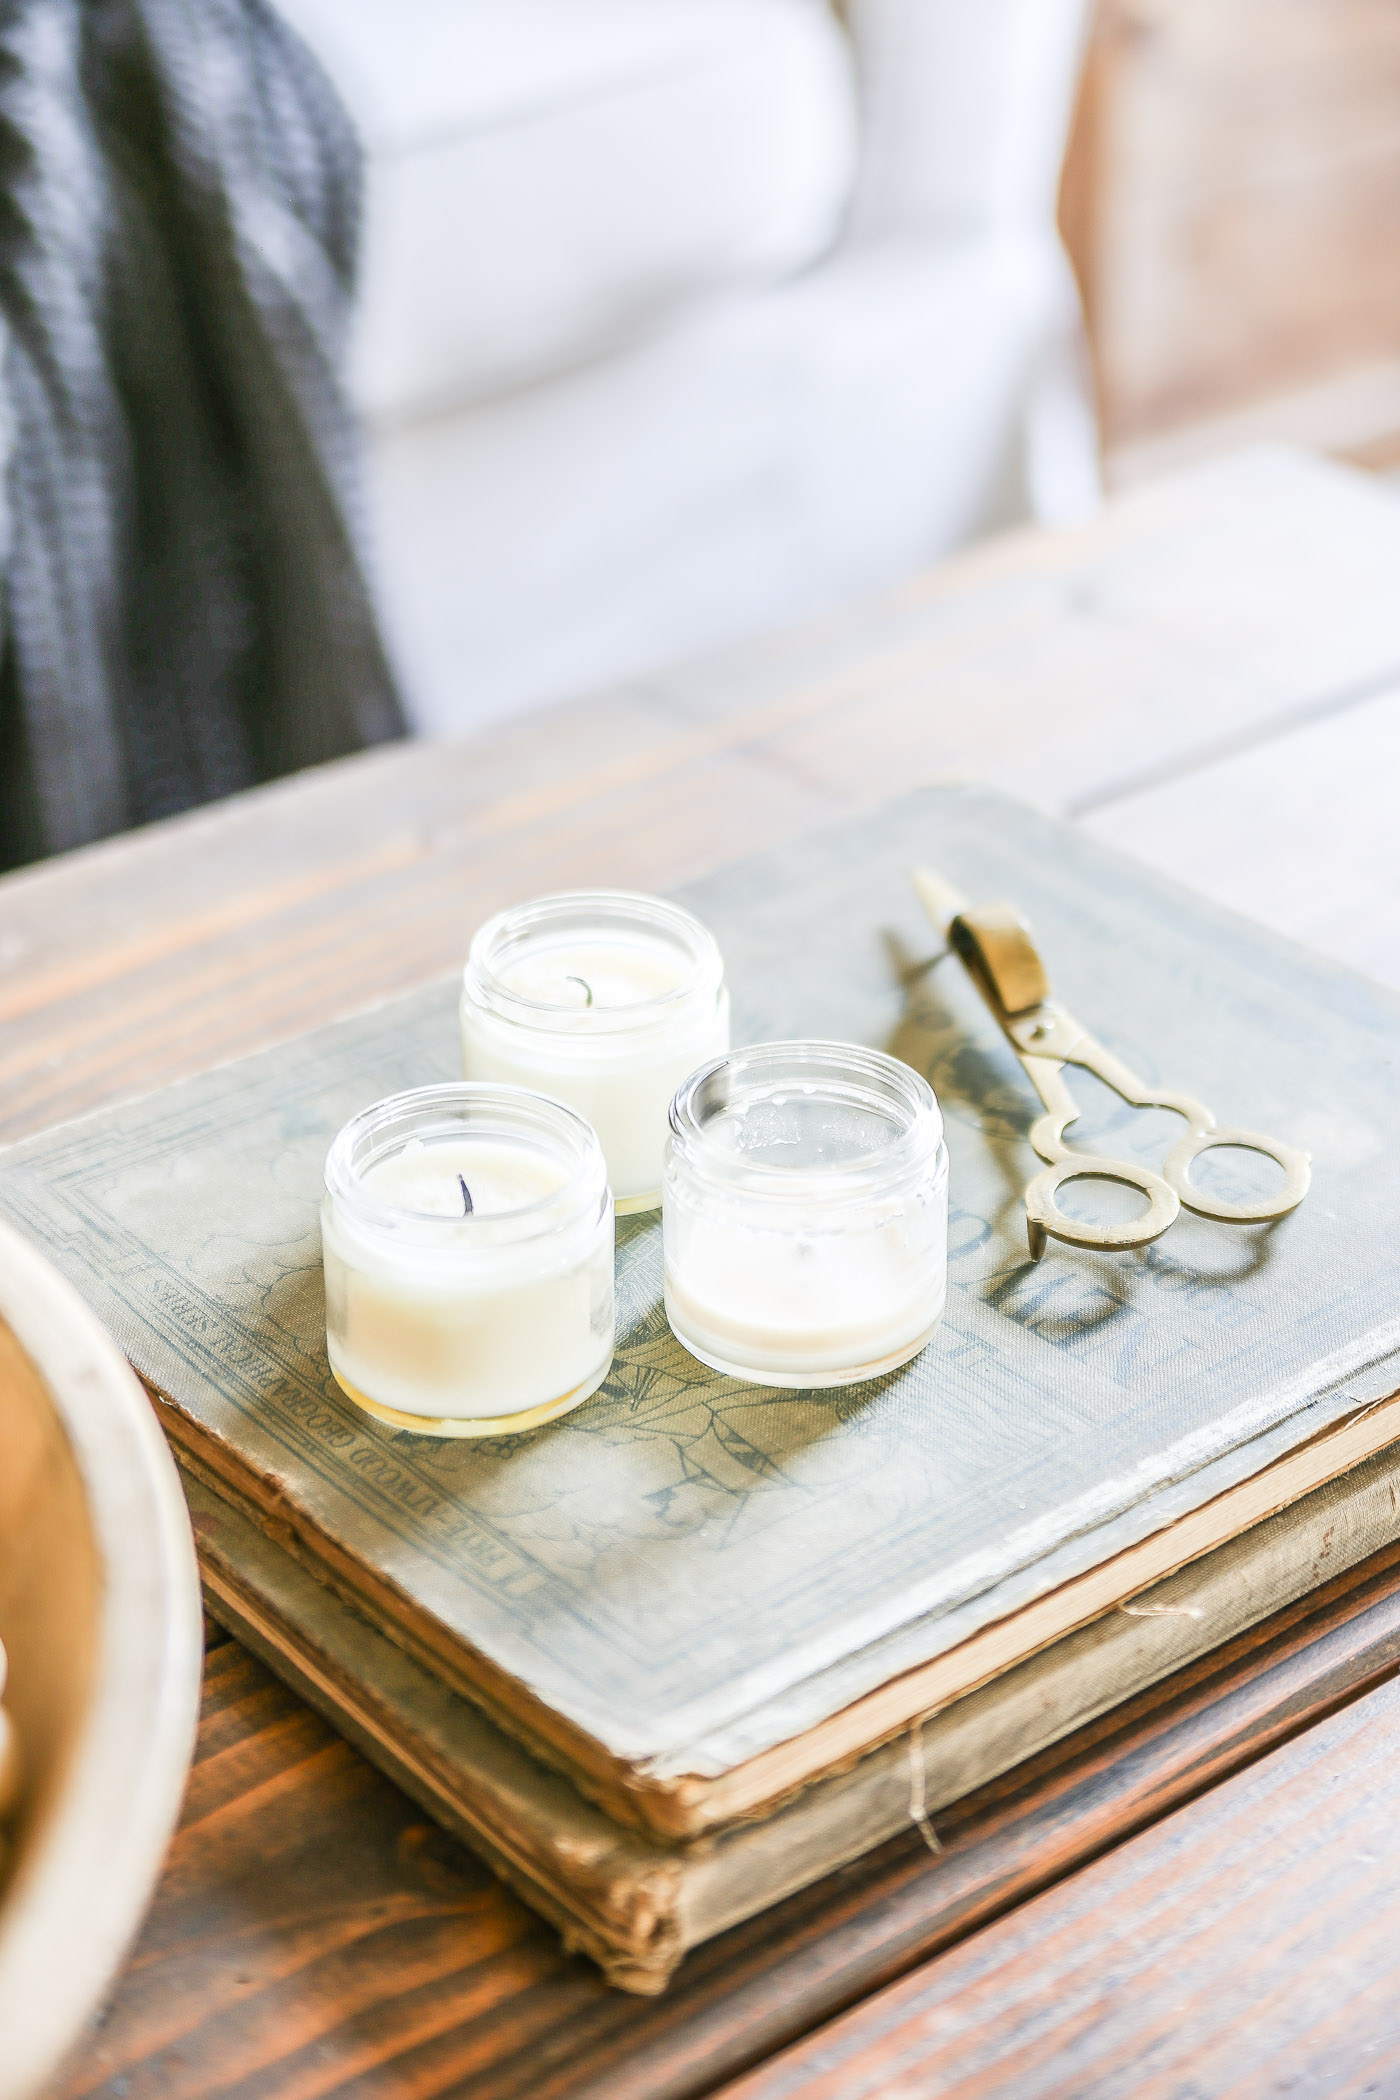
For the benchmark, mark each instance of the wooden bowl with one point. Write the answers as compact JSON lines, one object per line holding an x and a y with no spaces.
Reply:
{"x":99,"y":1612}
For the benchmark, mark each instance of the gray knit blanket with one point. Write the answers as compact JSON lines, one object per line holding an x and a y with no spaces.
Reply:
{"x":184,"y":602}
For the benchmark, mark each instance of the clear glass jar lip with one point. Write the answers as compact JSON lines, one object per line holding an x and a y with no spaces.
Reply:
{"x":585,"y":910}
{"x":913,"y":1154}
{"x":532,"y":1115}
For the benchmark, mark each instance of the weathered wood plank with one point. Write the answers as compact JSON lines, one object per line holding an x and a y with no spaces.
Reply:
{"x":313,"y":1934}
{"x":1302,"y":832}
{"x":1246,"y":1945}
{"x":307,"y":1908}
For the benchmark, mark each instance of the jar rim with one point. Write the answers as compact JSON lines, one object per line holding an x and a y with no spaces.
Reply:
{"x":590,"y":911}
{"x":512,"y":1113}
{"x":849,"y":1072}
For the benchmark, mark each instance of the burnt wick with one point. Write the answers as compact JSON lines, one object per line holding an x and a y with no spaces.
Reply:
{"x":587,"y":988}
{"x":466,"y":1196}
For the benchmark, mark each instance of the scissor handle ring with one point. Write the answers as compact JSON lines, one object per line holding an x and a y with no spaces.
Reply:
{"x":1297,"y":1172}
{"x":1044,"y":1216}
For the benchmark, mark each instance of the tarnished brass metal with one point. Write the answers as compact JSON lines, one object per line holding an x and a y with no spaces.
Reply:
{"x":996,"y":944}
{"x":998,"y":940}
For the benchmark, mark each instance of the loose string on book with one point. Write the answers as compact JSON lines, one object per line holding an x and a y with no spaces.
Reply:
{"x":918,"y":1811}
{"x":918,"y":1800}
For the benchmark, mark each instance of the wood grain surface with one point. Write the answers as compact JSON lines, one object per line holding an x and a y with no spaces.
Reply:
{"x":1248,"y":1946}
{"x":313,"y":1936}
{"x":1230,"y":824}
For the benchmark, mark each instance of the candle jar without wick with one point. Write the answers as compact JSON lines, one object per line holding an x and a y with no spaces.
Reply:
{"x":467,"y":1238}
{"x":605,"y":1000}
{"x":805,"y":1214}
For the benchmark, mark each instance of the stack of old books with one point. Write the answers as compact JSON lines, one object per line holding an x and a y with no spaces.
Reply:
{"x":687,"y":1649}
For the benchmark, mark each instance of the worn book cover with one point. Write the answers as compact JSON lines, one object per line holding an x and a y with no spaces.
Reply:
{"x":636,"y":1902}
{"x":693,"y":1595}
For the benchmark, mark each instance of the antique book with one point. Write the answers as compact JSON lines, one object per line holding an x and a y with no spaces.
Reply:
{"x":636,"y":1903}
{"x":694,"y":1597}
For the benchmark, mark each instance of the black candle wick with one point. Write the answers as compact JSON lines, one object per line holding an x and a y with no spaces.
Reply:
{"x":466,"y":1196}
{"x":587,"y":988}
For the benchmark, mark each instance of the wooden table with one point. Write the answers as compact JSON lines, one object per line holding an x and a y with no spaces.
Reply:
{"x":1198,"y":1894}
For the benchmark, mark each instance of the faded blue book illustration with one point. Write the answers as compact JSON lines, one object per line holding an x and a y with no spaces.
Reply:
{"x":689,"y":1569}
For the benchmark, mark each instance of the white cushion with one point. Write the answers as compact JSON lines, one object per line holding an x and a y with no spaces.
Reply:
{"x":784,"y":450}
{"x":548,"y":178}
{"x":966,"y":112}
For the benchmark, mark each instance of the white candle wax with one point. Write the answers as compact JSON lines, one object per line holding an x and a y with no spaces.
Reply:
{"x":606,"y":1001}
{"x":807,"y":1304}
{"x":467,"y":1242}
{"x":436,"y":1181}
{"x":582,"y":976}
{"x":805,"y":1214}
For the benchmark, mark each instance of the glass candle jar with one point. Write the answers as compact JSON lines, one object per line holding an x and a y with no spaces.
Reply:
{"x":805,"y":1214}
{"x":605,"y":1000}
{"x":467,"y":1236}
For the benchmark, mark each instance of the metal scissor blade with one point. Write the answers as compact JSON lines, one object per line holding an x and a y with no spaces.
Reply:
{"x":939,"y":898}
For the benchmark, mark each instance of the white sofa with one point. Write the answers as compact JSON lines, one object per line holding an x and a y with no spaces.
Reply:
{"x":684,"y":318}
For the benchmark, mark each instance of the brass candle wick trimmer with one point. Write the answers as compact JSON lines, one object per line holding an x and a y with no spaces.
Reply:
{"x":995,"y":943}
